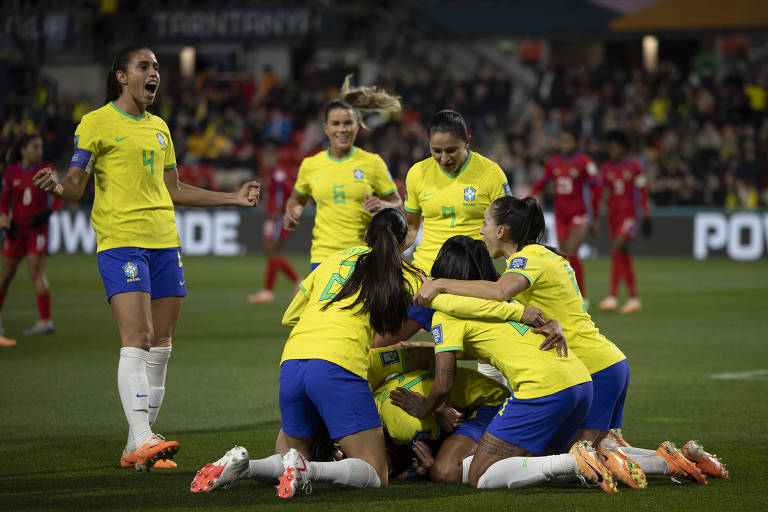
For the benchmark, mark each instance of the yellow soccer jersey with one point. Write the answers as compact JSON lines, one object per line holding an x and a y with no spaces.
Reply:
{"x":470,"y":391}
{"x":383,"y":362}
{"x":129,"y":155}
{"x":451,"y":205}
{"x":512,"y":348}
{"x":554,"y":290}
{"x":337,"y":335}
{"x":339,"y":188}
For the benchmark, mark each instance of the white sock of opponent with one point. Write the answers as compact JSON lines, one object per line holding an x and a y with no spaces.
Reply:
{"x":516,"y":472}
{"x":268,"y":469}
{"x":156,"y":369}
{"x":347,"y":473}
{"x":134,"y":391}
{"x":491,"y":372}
{"x":650,"y":463}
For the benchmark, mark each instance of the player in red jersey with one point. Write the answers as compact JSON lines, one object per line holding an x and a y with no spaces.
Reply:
{"x":24,"y":213}
{"x":279,"y":189}
{"x":575,"y":178}
{"x":625,"y":181}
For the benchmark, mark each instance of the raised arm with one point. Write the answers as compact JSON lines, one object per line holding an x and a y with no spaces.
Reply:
{"x":508,"y":285}
{"x":187,"y":195}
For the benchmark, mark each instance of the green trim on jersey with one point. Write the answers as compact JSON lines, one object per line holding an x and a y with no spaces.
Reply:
{"x":301,"y":287}
{"x":170,"y":166}
{"x":411,"y":210}
{"x":300,"y":192}
{"x":447,"y":349}
{"x":385,"y":194}
{"x":466,"y":163}
{"x":126,"y":114}
{"x":351,"y":153}
{"x":512,"y":271}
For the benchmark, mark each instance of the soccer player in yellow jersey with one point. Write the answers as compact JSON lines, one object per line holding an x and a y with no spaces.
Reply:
{"x":131,"y":155}
{"x":347,"y":183}
{"x":551,"y":394}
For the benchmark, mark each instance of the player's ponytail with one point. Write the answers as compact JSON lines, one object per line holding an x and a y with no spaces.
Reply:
{"x":14,"y":152}
{"x":448,"y":121}
{"x":379,"y":276}
{"x":463,"y":257}
{"x":362,"y":100}
{"x":524,"y":220}
{"x":120,"y":63}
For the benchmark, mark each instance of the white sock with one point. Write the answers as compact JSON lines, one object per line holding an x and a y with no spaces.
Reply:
{"x":134,"y":391}
{"x":268,"y":469}
{"x":631,"y":451}
{"x":156,"y":368}
{"x":347,"y":473}
{"x":491,"y":372}
{"x":465,"y":469}
{"x":651,"y":464}
{"x":516,"y":472}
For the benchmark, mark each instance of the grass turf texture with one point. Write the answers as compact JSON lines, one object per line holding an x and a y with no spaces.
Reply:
{"x":63,"y":428}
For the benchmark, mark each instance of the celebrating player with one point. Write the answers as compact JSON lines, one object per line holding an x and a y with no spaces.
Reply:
{"x":279,"y":187}
{"x":575,"y":178}
{"x":131,"y":154}
{"x":27,"y":226}
{"x":347,"y":183}
{"x":625,"y":181}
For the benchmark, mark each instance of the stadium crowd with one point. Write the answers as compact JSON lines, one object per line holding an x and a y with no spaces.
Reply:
{"x":702,"y":136}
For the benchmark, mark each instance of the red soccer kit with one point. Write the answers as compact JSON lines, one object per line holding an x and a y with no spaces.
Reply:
{"x":625,"y":182}
{"x":23,"y":200}
{"x":575,"y":178}
{"x":279,"y":189}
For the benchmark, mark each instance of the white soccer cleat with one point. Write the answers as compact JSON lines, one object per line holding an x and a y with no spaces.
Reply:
{"x":263,"y":297}
{"x":632,"y":305}
{"x":296,"y":475}
{"x":41,"y":327}
{"x":610,"y":303}
{"x":220,"y":474}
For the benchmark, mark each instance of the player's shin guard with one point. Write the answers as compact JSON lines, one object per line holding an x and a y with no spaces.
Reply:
{"x":134,"y":391}
{"x":346,"y":473}
{"x":516,"y":472}
{"x":157,"y":365}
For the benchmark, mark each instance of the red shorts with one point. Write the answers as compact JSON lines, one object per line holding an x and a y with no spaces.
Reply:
{"x":623,"y":226}
{"x":28,"y":241}
{"x":566,"y":223}
{"x":274,"y":231}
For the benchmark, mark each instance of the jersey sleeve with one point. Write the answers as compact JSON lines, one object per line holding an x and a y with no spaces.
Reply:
{"x":299,"y":302}
{"x":5,"y":197}
{"x":498,"y":183}
{"x":412,"y":187}
{"x":383,"y":185}
{"x":87,"y":144}
{"x":539,"y":185}
{"x":448,"y":333}
{"x":302,"y":185}
{"x":530,"y":269}
{"x":170,"y":155}
{"x":473,"y":307}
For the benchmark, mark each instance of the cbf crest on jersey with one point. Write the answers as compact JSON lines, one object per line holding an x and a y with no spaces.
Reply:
{"x":131,"y":270}
{"x":517,"y":263}
{"x":470,"y":193}
{"x":358,"y":174}
{"x":161,"y":139}
{"x":437,"y":334}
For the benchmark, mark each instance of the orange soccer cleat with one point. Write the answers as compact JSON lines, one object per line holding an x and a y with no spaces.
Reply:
{"x":589,"y":467}
{"x":616,"y":435}
{"x":708,"y":463}
{"x":609,"y":304}
{"x":165,"y":464}
{"x":296,"y":475}
{"x":153,"y":450}
{"x":7,"y":342}
{"x":263,"y":297}
{"x":632,"y":305}
{"x":678,"y":464}
{"x":220,"y":474}
{"x":623,"y":468}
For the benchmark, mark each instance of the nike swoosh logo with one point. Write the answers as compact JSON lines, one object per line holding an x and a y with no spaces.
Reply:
{"x":140,"y":396}
{"x":427,"y":194}
{"x":598,"y":473}
{"x":181,"y":283}
{"x":120,"y":139}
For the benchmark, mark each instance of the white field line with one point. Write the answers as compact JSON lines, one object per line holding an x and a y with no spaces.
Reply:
{"x":751,"y":375}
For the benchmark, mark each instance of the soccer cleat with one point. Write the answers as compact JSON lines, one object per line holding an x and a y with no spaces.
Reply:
{"x":623,"y":468}
{"x":616,"y":435}
{"x":41,"y":327}
{"x":608,"y":304}
{"x":127,"y":460}
{"x":220,"y":474}
{"x":708,"y":463}
{"x":296,"y":475}
{"x":153,"y":450}
{"x":165,"y":464}
{"x":262,"y":297}
{"x":7,"y":342}
{"x":678,"y":464}
{"x":589,"y":469}
{"x":632,"y":305}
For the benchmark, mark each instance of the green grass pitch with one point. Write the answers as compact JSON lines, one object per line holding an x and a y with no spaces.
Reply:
{"x":62,"y":427}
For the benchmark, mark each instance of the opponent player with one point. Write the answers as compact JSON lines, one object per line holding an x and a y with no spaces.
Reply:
{"x":279,"y":187}
{"x":24,"y":213}
{"x":575,"y":177}
{"x":625,"y":181}
{"x":131,"y":154}
{"x":347,"y":183}
{"x":551,"y":395}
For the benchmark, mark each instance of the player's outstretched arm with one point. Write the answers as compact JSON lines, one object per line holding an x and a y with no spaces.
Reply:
{"x":70,"y":188}
{"x":293,"y":210}
{"x":374,"y":204}
{"x":508,"y":285}
{"x":187,"y":195}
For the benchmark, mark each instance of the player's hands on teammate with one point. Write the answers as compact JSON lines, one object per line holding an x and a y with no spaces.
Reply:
{"x":410,"y":402}
{"x":372,"y":204}
{"x":249,"y":194}
{"x":532,"y":316}
{"x":424,"y":459}
{"x":449,"y":418}
{"x":554,"y":337}
{"x":291,"y":217}
{"x":646,"y":227}
{"x":426,"y":292}
{"x":45,"y":180}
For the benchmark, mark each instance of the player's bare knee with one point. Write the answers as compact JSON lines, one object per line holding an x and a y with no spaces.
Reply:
{"x":162,"y":341}
{"x":445,"y":472}
{"x":138,"y":339}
